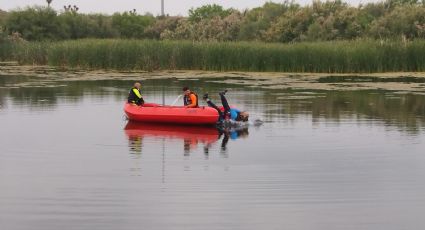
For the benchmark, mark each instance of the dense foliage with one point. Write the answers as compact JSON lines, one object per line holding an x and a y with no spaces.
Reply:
{"x":272,"y":22}
{"x":123,"y":54}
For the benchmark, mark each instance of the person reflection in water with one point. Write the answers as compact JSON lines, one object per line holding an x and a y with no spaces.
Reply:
{"x":231,"y":134}
{"x":135,"y":144}
{"x":189,"y":144}
{"x":227,"y":134}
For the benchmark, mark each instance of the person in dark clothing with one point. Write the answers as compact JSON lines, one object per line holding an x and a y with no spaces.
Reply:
{"x":135,"y":96}
{"x":228,"y":113}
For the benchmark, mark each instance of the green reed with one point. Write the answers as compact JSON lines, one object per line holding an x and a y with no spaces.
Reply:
{"x":360,"y":56}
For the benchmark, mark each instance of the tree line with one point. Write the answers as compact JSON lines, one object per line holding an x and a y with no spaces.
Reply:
{"x":273,"y":22}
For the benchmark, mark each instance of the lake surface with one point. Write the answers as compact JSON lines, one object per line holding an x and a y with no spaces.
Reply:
{"x":326,"y":160}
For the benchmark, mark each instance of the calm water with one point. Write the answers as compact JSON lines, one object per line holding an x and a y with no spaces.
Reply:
{"x":321,"y":160}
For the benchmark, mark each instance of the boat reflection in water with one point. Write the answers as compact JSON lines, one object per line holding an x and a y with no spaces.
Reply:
{"x":192,"y":136}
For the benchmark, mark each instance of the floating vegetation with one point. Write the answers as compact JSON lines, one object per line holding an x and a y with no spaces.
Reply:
{"x":354,"y":79}
{"x":266,"y":80}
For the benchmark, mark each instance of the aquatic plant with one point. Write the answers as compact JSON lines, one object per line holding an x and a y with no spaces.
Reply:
{"x":360,"y":56}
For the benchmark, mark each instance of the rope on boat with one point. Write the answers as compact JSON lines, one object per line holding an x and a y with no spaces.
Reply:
{"x":175,"y":101}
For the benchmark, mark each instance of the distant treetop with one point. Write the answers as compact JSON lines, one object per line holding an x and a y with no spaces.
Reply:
{"x":272,"y":22}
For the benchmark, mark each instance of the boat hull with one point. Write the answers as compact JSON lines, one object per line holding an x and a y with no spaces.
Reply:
{"x":155,"y":113}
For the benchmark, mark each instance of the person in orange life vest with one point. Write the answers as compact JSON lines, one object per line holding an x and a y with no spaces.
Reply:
{"x":135,"y":96}
{"x":190,"y":99}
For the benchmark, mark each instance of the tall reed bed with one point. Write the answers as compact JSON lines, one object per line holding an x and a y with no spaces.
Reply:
{"x":361,"y":56}
{"x":7,"y":50}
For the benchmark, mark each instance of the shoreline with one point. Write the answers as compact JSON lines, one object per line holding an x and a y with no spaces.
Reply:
{"x":394,"y":81}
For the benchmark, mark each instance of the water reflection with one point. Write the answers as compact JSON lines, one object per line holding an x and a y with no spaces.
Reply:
{"x":323,"y":158}
{"x":231,"y":134}
{"x":190,"y":136}
{"x":402,"y":110}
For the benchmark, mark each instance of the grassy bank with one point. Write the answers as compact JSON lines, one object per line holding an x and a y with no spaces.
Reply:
{"x":363,"y":56}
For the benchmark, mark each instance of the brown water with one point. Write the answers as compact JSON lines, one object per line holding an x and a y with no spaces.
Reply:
{"x":321,"y":160}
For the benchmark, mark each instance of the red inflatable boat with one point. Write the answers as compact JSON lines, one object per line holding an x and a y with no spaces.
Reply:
{"x":171,"y":114}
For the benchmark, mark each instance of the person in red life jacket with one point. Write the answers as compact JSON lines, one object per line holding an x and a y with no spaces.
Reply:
{"x":231,"y":114}
{"x":190,"y":99}
{"x":135,"y":96}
